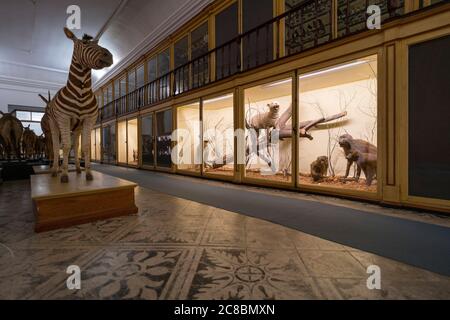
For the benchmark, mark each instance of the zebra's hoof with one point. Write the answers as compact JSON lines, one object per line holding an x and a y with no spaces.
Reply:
{"x":89,"y":176}
{"x":78,"y":170}
{"x":54,"y":174}
{"x":64,"y":179}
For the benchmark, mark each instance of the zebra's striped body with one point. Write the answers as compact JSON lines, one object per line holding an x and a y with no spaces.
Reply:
{"x":74,"y":108}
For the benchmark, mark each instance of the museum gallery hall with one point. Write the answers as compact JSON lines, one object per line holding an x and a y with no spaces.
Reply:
{"x":224,"y":150}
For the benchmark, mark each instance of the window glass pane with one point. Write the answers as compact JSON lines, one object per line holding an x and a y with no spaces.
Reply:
{"x":199,"y":47}
{"x":116,"y":89}
{"x":199,"y":41}
{"x":181,"y":52}
{"x":163,"y":70}
{"x":181,"y":58}
{"x":122,"y":141}
{"x":131,"y":81}
{"x":123,"y":86}
{"x":140,"y":81}
{"x":98,"y":145}
{"x":308,"y":25}
{"x":164,"y":138}
{"x":227,"y":29}
{"x":109,"y":143}
{"x":218,"y":135}
{"x":37,"y":116}
{"x":338,"y":110}
{"x":23,"y":115}
{"x":189,"y":149}
{"x":148,"y":157}
{"x":258,"y":45}
{"x":93,"y":145}
{"x":152,"y":72}
{"x":132,"y":142}
{"x":164,"y":62}
{"x":268,"y":110}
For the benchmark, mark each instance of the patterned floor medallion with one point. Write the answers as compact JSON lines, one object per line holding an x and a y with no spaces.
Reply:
{"x":178,"y":249}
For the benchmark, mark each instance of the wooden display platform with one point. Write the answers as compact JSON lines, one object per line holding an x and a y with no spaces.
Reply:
{"x":57,"y":205}
{"x":48,"y":169}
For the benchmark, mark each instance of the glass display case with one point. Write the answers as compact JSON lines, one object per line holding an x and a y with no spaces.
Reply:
{"x":96,"y":146}
{"x":132,"y":142}
{"x":122,"y":142}
{"x":188,"y":148}
{"x":147,"y":138}
{"x":109,"y":144}
{"x":218,"y":135}
{"x":338,"y":118}
{"x":164,"y":138}
{"x":268,"y":131}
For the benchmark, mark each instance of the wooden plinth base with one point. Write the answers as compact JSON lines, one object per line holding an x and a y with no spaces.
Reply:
{"x":48,"y":169}
{"x":60,"y":205}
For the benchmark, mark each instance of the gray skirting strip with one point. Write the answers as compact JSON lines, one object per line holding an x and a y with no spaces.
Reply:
{"x":416,"y":243}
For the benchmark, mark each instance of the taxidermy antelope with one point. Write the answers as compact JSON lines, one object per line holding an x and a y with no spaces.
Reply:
{"x":11,"y":130}
{"x":29,"y":139}
{"x":75,"y":105}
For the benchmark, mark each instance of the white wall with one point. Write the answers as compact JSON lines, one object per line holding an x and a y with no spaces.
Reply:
{"x":21,"y":96}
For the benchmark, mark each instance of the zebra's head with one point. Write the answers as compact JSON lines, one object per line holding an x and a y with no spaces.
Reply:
{"x":89,"y":53}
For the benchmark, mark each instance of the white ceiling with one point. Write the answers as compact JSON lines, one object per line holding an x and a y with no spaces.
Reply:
{"x":35,"y":52}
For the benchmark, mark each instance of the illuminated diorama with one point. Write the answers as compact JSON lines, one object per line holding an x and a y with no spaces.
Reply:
{"x":164,"y":138}
{"x":342,"y":152}
{"x":268,"y":111}
{"x":218,"y":135}
{"x":128,"y":152}
{"x":189,"y":149}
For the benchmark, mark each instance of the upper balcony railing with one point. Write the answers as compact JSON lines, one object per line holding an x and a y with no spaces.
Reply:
{"x":306,"y":26}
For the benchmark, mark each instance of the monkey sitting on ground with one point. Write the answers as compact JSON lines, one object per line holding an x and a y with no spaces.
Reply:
{"x":349,"y":145}
{"x":319,"y":168}
{"x":365,"y":161}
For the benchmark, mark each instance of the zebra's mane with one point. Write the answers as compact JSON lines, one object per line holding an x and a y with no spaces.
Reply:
{"x":87,"y":37}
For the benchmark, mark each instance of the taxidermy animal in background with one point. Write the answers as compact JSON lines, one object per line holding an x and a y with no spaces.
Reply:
{"x":29,"y":139}
{"x":350,"y":145}
{"x":40,"y":148}
{"x":75,"y":105}
{"x":367,"y":162}
{"x":265,"y":121}
{"x":11,"y":130}
{"x":319,"y":168}
{"x":45,"y":126}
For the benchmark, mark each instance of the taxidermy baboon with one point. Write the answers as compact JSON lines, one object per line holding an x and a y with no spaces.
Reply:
{"x":11,"y":130}
{"x":349,"y":145}
{"x":365,"y":161}
{"x":319,"y":168}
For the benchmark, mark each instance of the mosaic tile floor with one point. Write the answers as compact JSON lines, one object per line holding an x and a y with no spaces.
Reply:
{"x":178,"y":249}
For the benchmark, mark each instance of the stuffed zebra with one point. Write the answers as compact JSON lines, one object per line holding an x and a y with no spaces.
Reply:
{"x":75,"y":105}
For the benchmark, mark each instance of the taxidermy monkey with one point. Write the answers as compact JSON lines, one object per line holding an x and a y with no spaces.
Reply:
{"x":367,"y":162}
{"x":349,"y":145}
{"x":319,"y":168}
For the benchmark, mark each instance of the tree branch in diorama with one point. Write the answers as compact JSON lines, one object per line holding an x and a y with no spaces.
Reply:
{"x":304,"y":126}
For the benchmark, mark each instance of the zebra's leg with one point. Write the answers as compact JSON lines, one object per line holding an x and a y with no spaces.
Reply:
{"x":55,"y":145}
{"x":76,"y":144}
{"x":86,"y":146}
{"x":66,"y":146}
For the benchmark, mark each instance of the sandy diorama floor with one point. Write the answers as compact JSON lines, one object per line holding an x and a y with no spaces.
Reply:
{"x":179,"y":249}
